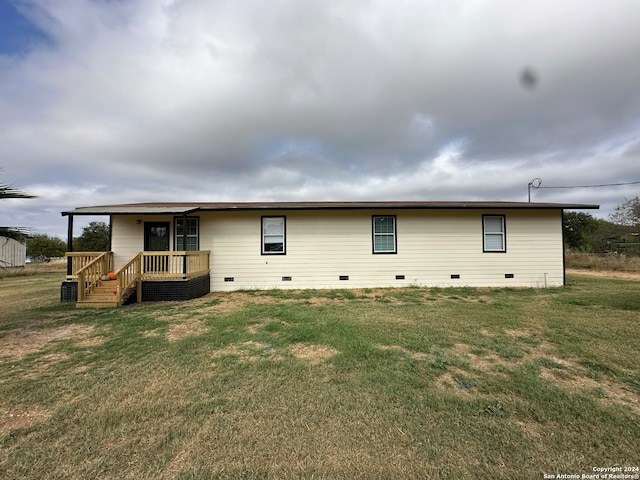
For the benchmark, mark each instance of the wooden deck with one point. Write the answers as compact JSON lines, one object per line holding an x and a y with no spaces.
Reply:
{"x":89,"y":269}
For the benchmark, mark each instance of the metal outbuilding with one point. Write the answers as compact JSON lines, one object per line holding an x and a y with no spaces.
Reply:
{"x":12,"y":253}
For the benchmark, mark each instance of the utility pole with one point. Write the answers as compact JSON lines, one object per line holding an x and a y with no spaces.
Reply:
{"x":535,"y":183}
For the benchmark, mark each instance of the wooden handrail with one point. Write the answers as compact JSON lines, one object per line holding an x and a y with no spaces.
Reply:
{"x":129,"y":276}
{"x":79,"y":260}
{"x":89,"y":275}
{"x":159,"y":265}
{"x":143,"y":265}
{"x":178,"y":264}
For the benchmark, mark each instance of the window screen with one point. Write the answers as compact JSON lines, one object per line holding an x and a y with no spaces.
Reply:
{"x":384,"y":234}
{"x":494,"y":233}
{"x":273,"y":235}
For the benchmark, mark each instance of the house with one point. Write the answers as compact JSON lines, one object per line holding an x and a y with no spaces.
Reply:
{"x":12,"y":253}
{"x":170,"y":251}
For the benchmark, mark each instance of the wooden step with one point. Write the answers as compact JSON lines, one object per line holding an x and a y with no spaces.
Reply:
{"x":102,"y":296}
{"x":106,"y":296}
{"x":104,"y":290}
{"x":86,"y":304}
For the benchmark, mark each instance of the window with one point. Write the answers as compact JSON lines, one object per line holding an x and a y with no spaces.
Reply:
{"x":192,"y":234}
{"x":493,"y":229}
{"x":384,"y":234}
{"x":273,"y":236}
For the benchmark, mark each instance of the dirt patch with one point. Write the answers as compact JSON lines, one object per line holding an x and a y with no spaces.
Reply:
{"x":20,"y":342}
{"x":604,"y":273}
{"x":21,"y":418}
{"x":312,"y":353}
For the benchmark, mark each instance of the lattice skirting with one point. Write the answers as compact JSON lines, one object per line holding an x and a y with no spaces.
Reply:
{"x":69,"y":291}
{"x":153,"y":290}
{"x":171,"y":290}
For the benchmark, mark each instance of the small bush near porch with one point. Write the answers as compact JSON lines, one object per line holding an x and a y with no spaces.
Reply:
{"x":406,"y":383}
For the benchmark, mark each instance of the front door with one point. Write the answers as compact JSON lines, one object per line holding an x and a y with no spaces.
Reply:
{"x":156,"y":236}
{"x":156,"y":239}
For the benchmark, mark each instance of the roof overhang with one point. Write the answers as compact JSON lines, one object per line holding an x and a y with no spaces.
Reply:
{"x":184,"y":208}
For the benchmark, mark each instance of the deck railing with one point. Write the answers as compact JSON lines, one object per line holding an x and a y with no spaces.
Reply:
{"x":79,"y":260}
{"x":181,"y":264}
{"x":89,"y":275}
{"x":89,"y":267}
{"x":129,"y":277}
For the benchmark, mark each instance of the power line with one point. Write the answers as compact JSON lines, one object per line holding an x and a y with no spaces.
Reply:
{"x":591,"y":186}
{"x":536,"y":183}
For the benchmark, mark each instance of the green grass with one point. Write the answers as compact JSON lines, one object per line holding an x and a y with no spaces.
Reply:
{"x":374,"y":383}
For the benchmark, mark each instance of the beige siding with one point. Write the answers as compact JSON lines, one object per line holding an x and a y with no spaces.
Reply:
{"x":432,"y":245}
{"x":323,"y":245}
{"x":127,"y":236}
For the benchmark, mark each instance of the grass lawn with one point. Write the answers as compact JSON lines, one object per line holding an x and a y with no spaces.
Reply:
{"x":384,"y":383}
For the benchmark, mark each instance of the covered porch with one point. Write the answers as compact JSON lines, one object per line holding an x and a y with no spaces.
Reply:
{"x":161,"y":260}
{"x":147,"y":276}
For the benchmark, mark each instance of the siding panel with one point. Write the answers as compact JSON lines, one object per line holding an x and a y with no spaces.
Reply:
{"x":12,"y":253}
{"x":432,"y":245}
{"x":323,"y":245}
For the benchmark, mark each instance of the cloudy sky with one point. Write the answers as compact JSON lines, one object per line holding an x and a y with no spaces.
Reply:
{"x":112,"y":101}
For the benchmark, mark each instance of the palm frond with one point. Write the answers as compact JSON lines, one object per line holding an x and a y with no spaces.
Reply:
{"x":8,"y":191}
{"x":17,"y":233}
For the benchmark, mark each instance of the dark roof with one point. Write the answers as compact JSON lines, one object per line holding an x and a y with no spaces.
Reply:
{"x":190,"y":207}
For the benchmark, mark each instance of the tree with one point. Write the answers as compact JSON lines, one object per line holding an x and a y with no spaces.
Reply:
{"x":579,"y":229}
{"x":584,"y":233}
{"x":96,"y":237}
{"x":8,"y":191}
{"x":626,"y":216}
{"x":627,"y":213}
{"x":41,"y":248}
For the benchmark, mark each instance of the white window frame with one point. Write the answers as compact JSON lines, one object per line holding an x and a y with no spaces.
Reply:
{"x":384,"y":234}
{"x":265,"y":236}
{"x":487,"y":232}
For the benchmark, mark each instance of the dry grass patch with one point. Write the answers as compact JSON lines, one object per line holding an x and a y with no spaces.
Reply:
{"x":181,"y":330}
{"x":573,"y":379}
{"x":404,"y":352}
{"x":254,"y":328}
{"x":225,"y":303}
{"x":388,"y":383}
{"x":15,"y":344}
{"x":482,"y":363}
{"x":452,"y":381}
{"x":565,"y":373}
{"x":18,"y":418}
{"x":312,"y":353}
{"x":252,"y":351}
{"x":608,"y":264}
{"x":13,"y":298}
{"x":249,"y":351}
{"x":605,"y":273}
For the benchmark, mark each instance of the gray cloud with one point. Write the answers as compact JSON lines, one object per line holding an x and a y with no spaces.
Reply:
{"x":319,"y":100}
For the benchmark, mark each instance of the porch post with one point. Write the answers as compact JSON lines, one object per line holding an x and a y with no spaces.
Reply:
{"x":184,"y":242}
{"x":70,"y":244}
